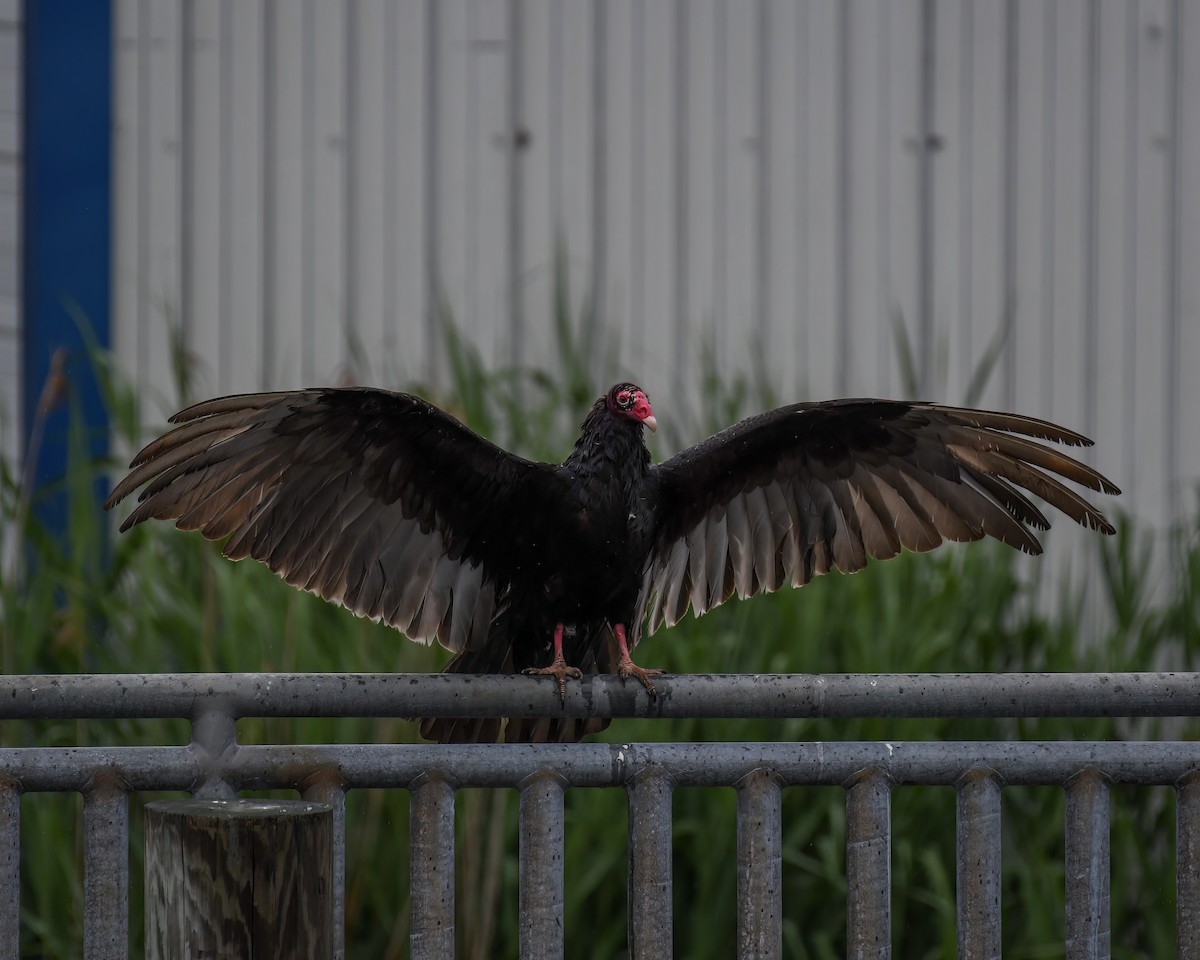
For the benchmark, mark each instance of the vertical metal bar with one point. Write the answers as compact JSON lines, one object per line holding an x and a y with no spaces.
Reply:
{"x":214,"y":732}
{"x":759,"y":866}
{"x":1087,"y":867}
{"x":1187,"y":868}
{"x":330,"y":791}
{"x":978,"y":874}
{"x":869,"y":866}
{"x":541,"y":867}
{"x":10,"y":870}
{"x":650,"y":934}
{"x":105,"y":871}
{"x":431,"y":869}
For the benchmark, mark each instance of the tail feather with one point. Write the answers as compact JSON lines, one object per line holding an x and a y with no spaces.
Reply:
{"x":593,"y":649}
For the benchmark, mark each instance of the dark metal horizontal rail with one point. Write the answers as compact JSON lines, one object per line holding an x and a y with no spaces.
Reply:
{"x":215,"y":765}
{"x":354,"y":766}
{"x":106,"y":696}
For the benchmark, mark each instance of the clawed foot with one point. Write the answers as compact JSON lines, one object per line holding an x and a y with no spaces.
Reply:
{"x":627,"y":668}
{"x":559,"y":670}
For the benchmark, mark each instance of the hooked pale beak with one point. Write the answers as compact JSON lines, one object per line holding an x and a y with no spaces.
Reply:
{"x":641,"y":410}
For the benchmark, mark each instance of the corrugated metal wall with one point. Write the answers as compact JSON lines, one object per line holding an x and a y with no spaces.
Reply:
{"x":781,"y":182}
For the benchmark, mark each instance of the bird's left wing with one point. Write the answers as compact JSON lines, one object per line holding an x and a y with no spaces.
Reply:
{"x":374,"y":500}
{"x":784,"y":496}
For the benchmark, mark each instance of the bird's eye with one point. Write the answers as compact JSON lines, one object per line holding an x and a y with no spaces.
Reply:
{"x":624,"y":398}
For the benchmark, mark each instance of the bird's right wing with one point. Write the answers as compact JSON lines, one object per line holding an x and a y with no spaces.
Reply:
{"x":784,"y":496}
{"x":374,"y":500}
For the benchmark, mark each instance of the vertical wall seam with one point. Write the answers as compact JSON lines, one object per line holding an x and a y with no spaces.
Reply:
{"x":430,"y":198}
{"x":597,"y":295}
{"x":270,"y":256}
{"x":637,"y":143}
{"x":842,"y":311}
{"x":762,"y":252}
{"x":515,"y":153}
{"x":185,"y":311}
{"x":1091,"y":236}
{"x":966,"y":182}
{"x":925,"y":224}
{"x":350,"y":339}
{"x":1174,"y":438}
{"x":1009,"y":265}
{"x":1048,"y":218}
{"x":308,"y":185}
{"x":1130,"y":212}
{"x":141,"y":281}
{"x":225,"y":200}
{"x":681,"y":355}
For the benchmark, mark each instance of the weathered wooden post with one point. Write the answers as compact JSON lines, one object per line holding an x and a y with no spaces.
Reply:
{"x":239,"y":879}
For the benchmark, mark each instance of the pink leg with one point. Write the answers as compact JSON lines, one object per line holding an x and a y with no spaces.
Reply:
{"x":627,"y":668}
{"x":558,"y":668}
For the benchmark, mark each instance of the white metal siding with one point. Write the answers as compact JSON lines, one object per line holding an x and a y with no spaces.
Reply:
{"x":779,"y":181}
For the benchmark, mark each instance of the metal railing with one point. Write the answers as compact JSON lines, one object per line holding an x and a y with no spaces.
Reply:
{"x":215,"y":765}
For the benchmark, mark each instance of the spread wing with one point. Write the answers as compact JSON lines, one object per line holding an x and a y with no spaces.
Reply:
{"x":377,"y":501}
{"x":782,"y":497}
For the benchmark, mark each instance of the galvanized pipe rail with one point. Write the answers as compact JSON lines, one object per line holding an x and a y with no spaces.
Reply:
{"x":215,"y":765}
{"x":123,"y":696}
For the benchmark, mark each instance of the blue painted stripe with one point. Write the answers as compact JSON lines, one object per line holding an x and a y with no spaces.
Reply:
{"x":66,"y":229}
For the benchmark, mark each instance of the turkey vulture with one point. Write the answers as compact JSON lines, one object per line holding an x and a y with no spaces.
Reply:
{"x":389,"y":506}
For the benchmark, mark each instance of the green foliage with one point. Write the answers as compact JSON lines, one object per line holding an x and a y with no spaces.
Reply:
{"x":155,"y":600}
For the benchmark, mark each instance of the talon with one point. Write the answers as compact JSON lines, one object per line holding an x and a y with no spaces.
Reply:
{"x":559,"y":670}
{"x":627,"y":668}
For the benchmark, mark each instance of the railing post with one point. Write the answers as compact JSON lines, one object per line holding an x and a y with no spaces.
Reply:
{"x":540,"y":862}
{"x":330,"y":791}
{"x":105,"y":870}
{"x":650,"y":932}
{"x":1087,"y":867}
{"x":1187,"y":869}
{"x":431,"y":866}
{"x":10,"y":868}
{"x":978,"y":872}
{"x":869,"y":866}
{"x":759,"y":866}
{"x":240,"y":878}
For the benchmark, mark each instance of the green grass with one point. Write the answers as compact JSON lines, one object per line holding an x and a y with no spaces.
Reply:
{"x":156,"y":600}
